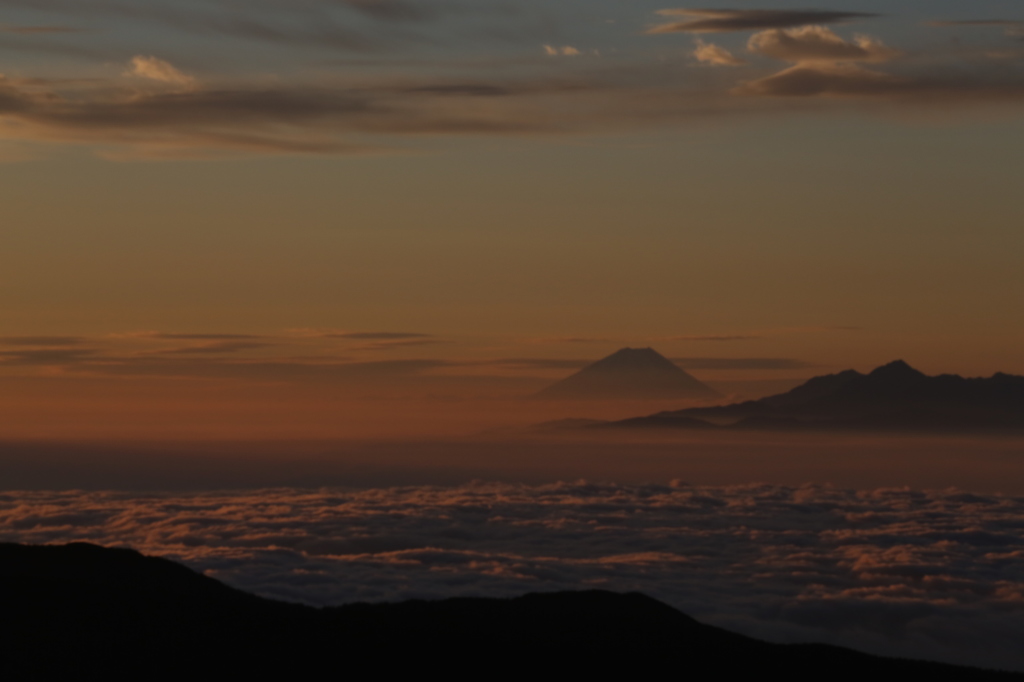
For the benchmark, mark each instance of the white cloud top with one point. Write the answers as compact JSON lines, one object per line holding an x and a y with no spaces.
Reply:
{"x":159,"y":70}
{"x":715,"y":55}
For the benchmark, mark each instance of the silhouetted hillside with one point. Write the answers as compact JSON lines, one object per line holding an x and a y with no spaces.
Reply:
{"x":630,"y":373}
{"x":79,"y":608}
{"x":892,"y":397}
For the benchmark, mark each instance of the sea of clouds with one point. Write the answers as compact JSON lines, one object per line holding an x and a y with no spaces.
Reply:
{"x":929,"y":574}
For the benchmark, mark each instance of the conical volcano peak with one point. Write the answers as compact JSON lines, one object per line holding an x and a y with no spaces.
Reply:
{"x":634,"y":358}
{"x":898,"y":369}
{"x":630,"y":373}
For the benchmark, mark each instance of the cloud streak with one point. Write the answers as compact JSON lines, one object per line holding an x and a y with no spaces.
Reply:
{"x":826,"y":65}
{"x":377,"y":336}
{"x":153,"y":108}
{"x":42,"y":340}
{"x":215,"y":347}
{"x":715,"y":337}
{"x":818,"y":44}
{"x":47,"y":357}
{"x":38,"y":30}
{"x":159,"y":70}
{"x":741,"y":363}
{"x":715,"y":55}
{"x":203,"y":337}
{"x":731,"y":20}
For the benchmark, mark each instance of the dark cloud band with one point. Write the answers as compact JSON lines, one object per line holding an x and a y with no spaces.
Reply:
{"x":730,"y":20}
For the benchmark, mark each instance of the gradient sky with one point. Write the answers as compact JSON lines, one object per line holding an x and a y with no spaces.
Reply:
{"x":204,"y":199}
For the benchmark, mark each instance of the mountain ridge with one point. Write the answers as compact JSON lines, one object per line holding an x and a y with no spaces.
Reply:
{"x":894,"y":396}
{"x":79,"y":607}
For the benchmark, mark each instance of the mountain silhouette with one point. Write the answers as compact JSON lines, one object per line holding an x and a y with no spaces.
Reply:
{"x":892,"y":397}
{"x":78,"y":609}
{"x":630,"y":373}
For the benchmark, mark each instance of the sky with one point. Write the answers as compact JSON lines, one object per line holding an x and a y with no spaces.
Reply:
{"x":277,"y":278}
{"x":270,"y":218}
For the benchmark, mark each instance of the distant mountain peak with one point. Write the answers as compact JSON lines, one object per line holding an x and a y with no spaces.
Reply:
{"x":894,"y":396}
{"x":634,"y":357}
{"x":630,"y":373}
{"x":897,"y":369}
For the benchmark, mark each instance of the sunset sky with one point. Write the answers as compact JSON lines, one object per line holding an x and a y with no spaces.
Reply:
{"x":210,"y":204}
{"x":280,"y":281}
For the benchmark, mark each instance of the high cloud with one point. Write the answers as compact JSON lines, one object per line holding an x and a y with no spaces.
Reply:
{"x":272,"y":119}
{"x":400,"y":343}
{"x":829,"y":79}
{"x":215,"y":347}
{"x":1011,"y":27}
{"x":377,"y":336}
{"x":825,"y":64}
{"x":818,"y":44}
{"x":204,"y":337}
{"x":729,"y":20}
{"x":715,"y":337}
{"x":42,"y":340}
{"x":46,"y":357}
{"x":565,"y":50}
{"x":410,"y":94}
{"x":37,"y":30}
{"x":741,"y":363}
{"x":159,"y":70}
{"x":715,"y":55}
{"x":932,"y":574}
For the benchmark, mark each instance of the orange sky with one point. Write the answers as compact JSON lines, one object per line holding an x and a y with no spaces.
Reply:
{"x":212,"y":229}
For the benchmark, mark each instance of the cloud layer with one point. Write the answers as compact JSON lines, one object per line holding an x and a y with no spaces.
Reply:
{"x":818,"y":44}
{"x":729,"y":20}
{"x":269,"y":82}
{"x":895,"y":571}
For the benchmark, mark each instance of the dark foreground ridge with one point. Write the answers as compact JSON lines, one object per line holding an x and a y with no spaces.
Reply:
{"x":77,"y":608}
{"x":894,"y":397}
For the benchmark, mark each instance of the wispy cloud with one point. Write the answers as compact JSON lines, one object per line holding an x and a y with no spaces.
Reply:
{"x":42,"y":340}
{"x":571,"y":339}
{"x":827,"y":65}
{"x":741,"y":363}
{"x":715,"y":55}
{"x":565,"y":51}
{"x":282,"y":369}
{"x":975,"y":22}
{"x":38,"y":30}
{"x":818,"y":44}
{"x":397,"y":344}
{"x":159,"y":70}
{"x":715,"y":337}
{"x":376,"y":336}
{"x":47,"y":357}
{"x":1014,"y":28}
{"x":198,"y":336}
{"x":215,"y":347}
{"x":539,"y":363}
{"x":397,"y":10}
{"x":161,"y":111}
{"x":730,"y":20}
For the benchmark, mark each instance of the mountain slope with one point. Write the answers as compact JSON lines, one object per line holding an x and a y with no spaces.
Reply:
{"x":893,"y":396}
{"x":630,"y":373}
{"x":79,"y":608}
